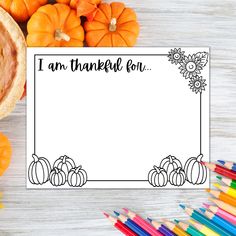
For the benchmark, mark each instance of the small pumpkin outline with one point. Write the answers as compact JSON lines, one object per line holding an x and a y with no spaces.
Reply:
{"x":156,"y":171}
{"x":56,"y":171}
{"x":179,"y":170}
{"x":77,"y":171}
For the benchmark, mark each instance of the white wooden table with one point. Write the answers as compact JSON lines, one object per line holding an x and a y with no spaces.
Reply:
{"x":163,"y":23}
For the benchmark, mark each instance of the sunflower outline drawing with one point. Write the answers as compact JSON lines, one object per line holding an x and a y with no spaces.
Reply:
{"x":176,"y":56}
{"x":197,"y":84}
{"x":190,"y":67}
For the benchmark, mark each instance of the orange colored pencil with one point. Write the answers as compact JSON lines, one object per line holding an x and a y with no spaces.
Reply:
{"x":228,"y":190}
{"x":173,"y":227}
{"x":224,"y":206}
{"x":222,"y":196}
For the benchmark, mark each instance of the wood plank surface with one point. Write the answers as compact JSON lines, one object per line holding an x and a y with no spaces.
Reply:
{"x":163,"y":23}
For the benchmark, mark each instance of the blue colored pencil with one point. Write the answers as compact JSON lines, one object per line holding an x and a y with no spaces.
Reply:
{"x":220,"y":221}
{"x":131,"y":224}
{"x":162,"y":228}
{"x":205,"y":221}
{"x":229,"y":165}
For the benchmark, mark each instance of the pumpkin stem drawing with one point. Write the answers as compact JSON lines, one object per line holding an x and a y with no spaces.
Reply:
{"x":78,"y":169}
{"x":199,"y":157}
{"x":112,"y":26}
{"x":60,"y":35}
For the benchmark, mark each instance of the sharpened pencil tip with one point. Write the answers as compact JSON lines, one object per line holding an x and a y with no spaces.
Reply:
{"x":208,"y":190}
{"x":149,"y":219}
{"x":219,"y":177}
{"x":125,"y":210}
{"x":221,"y":162}
{"x":202,"y":209}
{"x":116,"y":213}
{"x":177,"y":221}
{"x":182,"y":206}
{"x":203,"y":162}
{"x":216,"y":185}
{"x":105,"y":214}
{"x":206,"y":205}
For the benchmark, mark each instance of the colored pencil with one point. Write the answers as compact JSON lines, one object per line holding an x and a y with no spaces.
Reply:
{"x":120,"y":226}
{"x":222,"y":196}
{"x":220,"y":212}
{"x":162,"y":228}
{"x":142,"y":223}
{"x":204,"y":220}
{"x":189,"y":229}
{"x":220,"y":221}
{"x":177,"y":230}
{"x":228,"y":164}
{"x":131,"y":224}
{"x":224,"y":206}
{"x":203,"y":229}
{"x":231,"y":183}
{"x":1,"y":206}
{"x":228,"y":190}
{"x":220,"y":170}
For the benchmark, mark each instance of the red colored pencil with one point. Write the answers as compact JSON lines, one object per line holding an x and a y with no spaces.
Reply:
{"x":120,"y":226}
{"x":142,"y":223}
{"x":221,"y":170}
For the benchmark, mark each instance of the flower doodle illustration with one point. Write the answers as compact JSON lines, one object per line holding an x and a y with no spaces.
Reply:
{"x":190,"y":67}
{"x":197,"y":84}
{"x":176,"y":56}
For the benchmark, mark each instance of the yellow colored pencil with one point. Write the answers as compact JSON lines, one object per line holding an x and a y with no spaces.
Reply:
{"x":1,"y":206}
{"x":173,"y":227}
{"x":224,"y":206}
{"x":228,"y":190}
{"x":203,"y":229}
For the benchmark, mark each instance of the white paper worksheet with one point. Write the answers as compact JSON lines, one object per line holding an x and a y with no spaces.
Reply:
{"x":117,"y":117}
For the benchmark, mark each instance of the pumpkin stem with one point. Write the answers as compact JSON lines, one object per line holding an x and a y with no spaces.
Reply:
{"x":78,"y":169}
{"x":35,"y":157}
{"x":171,"y":159}
{"x":59,"y":35}
{"x":113,"y":26}
{"x":64,"y":159}
{"x":157,"y":169}
{"x":199,"y":158}
{"x":56,"y":170}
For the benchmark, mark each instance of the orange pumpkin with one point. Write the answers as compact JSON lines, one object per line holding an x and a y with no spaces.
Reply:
{"x":55,"y":26}
{"x":5,"y":153}
{"x":21,"y":10}
{"x":87,"y":8}
{"x":114,"y":25}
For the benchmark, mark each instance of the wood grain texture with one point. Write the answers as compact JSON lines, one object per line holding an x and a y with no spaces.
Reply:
{"x":163,"y":23}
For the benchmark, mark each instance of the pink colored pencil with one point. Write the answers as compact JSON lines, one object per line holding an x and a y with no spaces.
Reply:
{"x":142,"y":223}
{"x":220,"y":212}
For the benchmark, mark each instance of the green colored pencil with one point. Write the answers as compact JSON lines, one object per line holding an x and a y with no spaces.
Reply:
{"x":189,"y":229}
{"x":205,"y":221}
{"x":231,"y":183}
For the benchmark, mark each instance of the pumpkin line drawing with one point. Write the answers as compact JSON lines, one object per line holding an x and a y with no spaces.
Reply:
{"x":196,"y":172}
{"x":64,"y":171}
{"x":157,"y":177}
{"x":39,"y":170}
{"x":177,"y":177}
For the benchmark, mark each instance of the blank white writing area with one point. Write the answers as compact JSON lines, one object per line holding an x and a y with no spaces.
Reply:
{"x":117,"y":125}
